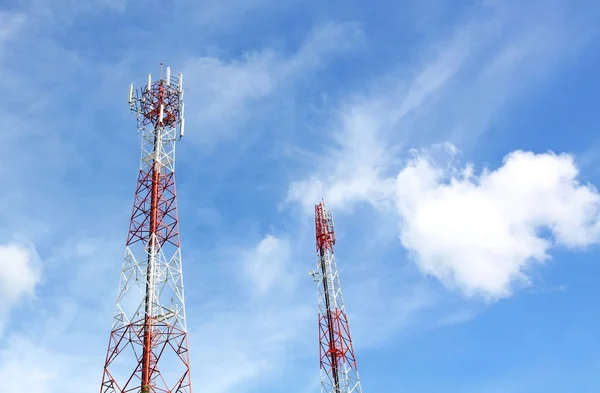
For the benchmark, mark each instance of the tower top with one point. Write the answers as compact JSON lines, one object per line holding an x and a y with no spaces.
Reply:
{"x":159,"y":103}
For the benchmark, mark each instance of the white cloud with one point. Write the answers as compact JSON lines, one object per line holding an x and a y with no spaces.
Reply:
{"x":19,"y":274}
{"x":482,"y":233}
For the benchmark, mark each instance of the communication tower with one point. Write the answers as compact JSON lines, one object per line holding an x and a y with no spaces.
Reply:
{"x":339,"y":373}
{"x":148,"y":346}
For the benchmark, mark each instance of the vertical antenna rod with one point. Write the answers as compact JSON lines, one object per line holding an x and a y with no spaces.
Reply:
{"x":149,"y":320}
{"x":339,"y":373}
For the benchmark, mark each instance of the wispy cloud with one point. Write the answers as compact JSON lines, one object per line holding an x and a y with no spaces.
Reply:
{"x":462,"y":84}
{"x":229,"y":92}
{"x":256,"y":321}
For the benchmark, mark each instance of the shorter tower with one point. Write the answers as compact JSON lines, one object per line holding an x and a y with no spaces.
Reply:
{"x":339,"y":373}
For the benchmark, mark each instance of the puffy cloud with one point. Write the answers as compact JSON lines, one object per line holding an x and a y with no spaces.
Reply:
{"x":481,"y":233}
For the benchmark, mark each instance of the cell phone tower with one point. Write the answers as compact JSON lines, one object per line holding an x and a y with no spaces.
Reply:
{"x":148,"y":346}
{"x":339,"y":373}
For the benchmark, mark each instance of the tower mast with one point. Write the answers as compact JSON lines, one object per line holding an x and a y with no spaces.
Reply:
{"x":149,"y":320}
{"x":339,"y":373}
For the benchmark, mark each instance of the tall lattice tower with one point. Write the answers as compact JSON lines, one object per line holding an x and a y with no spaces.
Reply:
{"x":147,"y":350}
{"x":339,"y":373}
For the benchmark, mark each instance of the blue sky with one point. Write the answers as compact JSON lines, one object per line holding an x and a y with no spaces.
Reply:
{"x":455,"y":145}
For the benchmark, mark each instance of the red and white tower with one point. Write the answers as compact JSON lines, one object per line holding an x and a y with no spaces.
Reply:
{"x":147,"y":350}
{"x":339,"y":373}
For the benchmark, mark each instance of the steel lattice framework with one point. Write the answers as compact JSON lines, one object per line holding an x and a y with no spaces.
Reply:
{"x":147,"y":350}
{"x":339,"y":373}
